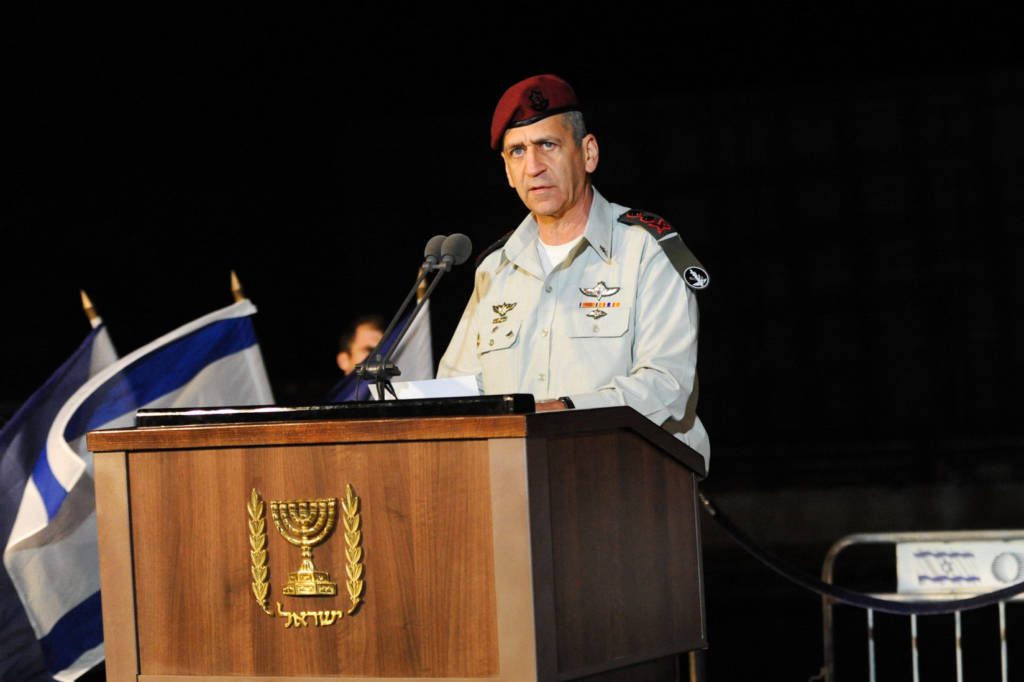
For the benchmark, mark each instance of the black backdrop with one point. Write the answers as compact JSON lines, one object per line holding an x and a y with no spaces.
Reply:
{"x":851,"y":181}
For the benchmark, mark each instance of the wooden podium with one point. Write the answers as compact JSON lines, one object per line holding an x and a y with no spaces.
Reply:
{"x":519,"y":547}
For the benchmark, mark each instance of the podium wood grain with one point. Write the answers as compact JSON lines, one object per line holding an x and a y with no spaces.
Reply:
{"x":509,"y":548}
{"x":429,"y":607}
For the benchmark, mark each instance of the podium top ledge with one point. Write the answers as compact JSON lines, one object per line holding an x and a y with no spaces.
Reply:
{"x":307,"y":425}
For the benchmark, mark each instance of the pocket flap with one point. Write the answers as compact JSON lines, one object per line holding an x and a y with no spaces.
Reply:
{"x":499,"y":336}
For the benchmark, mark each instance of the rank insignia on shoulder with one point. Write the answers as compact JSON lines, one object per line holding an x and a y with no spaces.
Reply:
{"x":655,"y":224}
{"x":682,"y":259}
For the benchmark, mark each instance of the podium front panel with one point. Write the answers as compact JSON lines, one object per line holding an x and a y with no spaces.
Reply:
{"x":428,"y":610}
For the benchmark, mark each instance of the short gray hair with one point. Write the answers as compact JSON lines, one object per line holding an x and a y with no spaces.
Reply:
{"x":574,"y":119}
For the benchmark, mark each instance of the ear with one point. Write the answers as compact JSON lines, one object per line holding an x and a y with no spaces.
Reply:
{"x":345,"y":362}
{"x":508,"y":174}
{"x":590,"y":153}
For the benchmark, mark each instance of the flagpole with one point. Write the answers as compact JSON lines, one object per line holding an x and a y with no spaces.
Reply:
{"x":90,"y":311}
{"x":421,"y":290}
{"x":236,"y":288}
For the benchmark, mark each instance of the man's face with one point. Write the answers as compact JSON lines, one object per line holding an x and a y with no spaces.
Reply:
{"x":546,"y":167}
{"x":365,"y":340}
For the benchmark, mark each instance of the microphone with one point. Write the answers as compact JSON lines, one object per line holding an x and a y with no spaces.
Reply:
{"x":455,"y":250}
{"x":432,"y":252}
{"x":442,"y":254}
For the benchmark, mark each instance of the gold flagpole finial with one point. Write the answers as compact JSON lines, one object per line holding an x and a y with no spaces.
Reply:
{"x":90,"y":311}
{"x":236,"y":288}
{"x":421,"y":290}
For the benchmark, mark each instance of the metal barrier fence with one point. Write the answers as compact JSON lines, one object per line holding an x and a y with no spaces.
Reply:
{"x":1008,"y":587}
{"x":956,"y":587}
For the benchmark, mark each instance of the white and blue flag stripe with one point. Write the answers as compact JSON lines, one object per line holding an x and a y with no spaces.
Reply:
{"x":52,"y":553}
{"x":21,"y":441}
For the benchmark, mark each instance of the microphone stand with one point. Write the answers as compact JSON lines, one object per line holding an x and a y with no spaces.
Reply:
{"x":454,"y":250}
{"x":380,"y":369}
{"x":388,"y":368}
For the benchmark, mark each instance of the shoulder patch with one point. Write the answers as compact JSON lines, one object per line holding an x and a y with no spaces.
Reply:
{"x":682,"y":259}
{"x":655,"y":224}
{"x":492,"y":248}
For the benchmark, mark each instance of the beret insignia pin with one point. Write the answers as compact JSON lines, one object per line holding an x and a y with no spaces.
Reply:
{"x":538,"y":102}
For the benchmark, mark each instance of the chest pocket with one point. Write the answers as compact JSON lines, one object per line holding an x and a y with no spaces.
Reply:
{"x":614,"y":323}
{"x":498,"y":337}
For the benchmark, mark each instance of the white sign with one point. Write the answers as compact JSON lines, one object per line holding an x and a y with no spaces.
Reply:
{"x":962,"y":567}
{"x":451,"y":387}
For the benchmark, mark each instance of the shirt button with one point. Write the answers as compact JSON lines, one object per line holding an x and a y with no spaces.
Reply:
{"x":491,"y":342}
{"x":543,"y":332}
{"x":547,"y":289}
{"x":541,"y":377}
{"x":596,"y":327}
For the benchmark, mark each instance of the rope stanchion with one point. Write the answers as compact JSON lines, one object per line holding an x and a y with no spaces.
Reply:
{"x":852,"y":597}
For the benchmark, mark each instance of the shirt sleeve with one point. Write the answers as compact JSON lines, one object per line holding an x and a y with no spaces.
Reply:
{"x":663,"y":371}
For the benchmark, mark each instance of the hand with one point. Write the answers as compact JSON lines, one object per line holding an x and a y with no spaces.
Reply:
{"x":549,"y":405}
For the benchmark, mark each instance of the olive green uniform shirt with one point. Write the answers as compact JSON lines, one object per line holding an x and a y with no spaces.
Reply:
{"x":613,"y":324}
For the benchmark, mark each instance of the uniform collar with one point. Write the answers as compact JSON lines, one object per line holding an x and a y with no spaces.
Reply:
{"x":599,"y":226}
{"x":520,"y":247}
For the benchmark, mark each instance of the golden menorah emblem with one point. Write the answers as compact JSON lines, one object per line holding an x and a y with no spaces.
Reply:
{"x":305,"y":524}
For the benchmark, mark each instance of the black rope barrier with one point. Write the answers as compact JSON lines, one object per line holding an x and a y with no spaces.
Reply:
{"x":852,"y":597}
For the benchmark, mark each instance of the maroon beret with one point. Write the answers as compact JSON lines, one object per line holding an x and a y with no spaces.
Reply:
{"x":528,"y":101}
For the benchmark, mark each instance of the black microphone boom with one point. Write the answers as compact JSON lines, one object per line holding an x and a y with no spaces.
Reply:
{"x":441,"y":254}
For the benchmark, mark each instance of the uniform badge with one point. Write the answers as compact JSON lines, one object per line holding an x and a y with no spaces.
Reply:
{"x":599,"y":291}
{"x":682,"y":259}
{"x":696,"y":277}
{"x":502,"y":310}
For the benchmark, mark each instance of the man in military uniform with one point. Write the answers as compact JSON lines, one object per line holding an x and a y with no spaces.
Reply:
{"x":587,"y":303}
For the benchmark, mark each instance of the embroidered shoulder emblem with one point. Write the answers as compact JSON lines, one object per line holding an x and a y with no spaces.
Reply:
{"x":696,"y":277}
{"x":682,"y":259}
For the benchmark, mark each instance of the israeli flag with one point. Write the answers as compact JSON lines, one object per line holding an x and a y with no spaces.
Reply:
{"x":21,"y":441}
{"x":414,"y":357}
{"x":52,"y":554}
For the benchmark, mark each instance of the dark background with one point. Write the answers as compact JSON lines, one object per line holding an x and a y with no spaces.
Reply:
{"x":852,"y":181}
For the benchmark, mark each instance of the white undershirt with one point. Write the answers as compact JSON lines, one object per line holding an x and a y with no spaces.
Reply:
{"x":552,"y":256}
